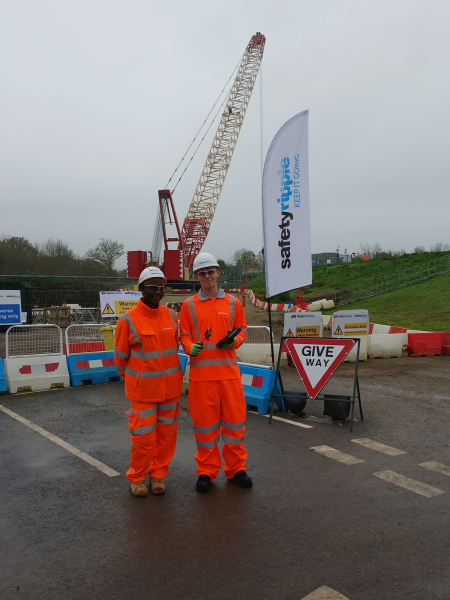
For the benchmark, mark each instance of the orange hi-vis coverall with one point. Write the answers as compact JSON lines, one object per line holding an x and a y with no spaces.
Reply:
{"x":216,"y":396}
{"x":146,"y":351}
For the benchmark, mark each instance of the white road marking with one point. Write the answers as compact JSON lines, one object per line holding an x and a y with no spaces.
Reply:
{"x":410,"y":484}
{"x":378,"y":447}
{"x":347,"y":459}
{"x":324,"y":593}
{"x":89,"y":459}
{"x":290,"y":422}
{"x":435,"y":466}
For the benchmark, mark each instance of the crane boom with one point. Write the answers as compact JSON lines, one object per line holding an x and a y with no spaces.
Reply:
{"x":206,"y":196}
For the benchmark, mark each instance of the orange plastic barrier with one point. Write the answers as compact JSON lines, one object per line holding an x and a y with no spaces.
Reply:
{"x":445,"y":336}
{"x":394,"y":329}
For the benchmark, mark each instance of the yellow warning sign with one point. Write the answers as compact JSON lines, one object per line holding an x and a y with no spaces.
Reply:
{"x":338,"y":331}
{"x":307,"y":331}
{"x":289,"y":334}
{"x":122,"y":306}
{"x":352,"y":333}
{"x":107,"y":310}
{"x":355,"y":326}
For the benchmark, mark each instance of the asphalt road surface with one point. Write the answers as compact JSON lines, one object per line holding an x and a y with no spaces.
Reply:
{"x":328,"y":517}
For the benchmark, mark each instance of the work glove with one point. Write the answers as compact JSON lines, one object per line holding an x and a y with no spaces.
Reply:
{"x":230,"y":345}
{"x":195,"y":349}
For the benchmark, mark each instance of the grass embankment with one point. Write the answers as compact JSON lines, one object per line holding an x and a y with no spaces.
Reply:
{"x":328,"y":278}
{"x":424,"y":305}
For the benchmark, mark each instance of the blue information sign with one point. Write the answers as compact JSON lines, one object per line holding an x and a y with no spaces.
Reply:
{"x":10,"y":307}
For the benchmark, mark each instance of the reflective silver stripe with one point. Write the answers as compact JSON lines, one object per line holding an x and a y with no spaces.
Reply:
{"x":208,"y":444}
{"x":143,"y":430}
{"x":170,"y":351}
{"x":174,"y":317}
{"x":243,"y":329}
{"x":232,"y":427}
{"x":214,"y":362}
{"x":167,"y":406}
{"x":147,"y":413}
{"x":209,"y":429}
{"x":186,"y":333}
{"x":121,"y":370}
{"x":191,"y":306}
{"x":136,"y":338}
{"x":151,"y":374}
{"x":129,"y":371}
{"x":232,"y":309}
{"x":121,"y":354}
{"x":168,"y":421}
{"x":145,"y":354}
{"x":130,"y":412}
{"x":172,"y":370}
{"x":209,"y":346}
{"x":233,"y":441}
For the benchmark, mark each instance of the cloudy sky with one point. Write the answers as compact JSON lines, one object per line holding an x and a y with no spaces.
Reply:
{"x":101,"y":98}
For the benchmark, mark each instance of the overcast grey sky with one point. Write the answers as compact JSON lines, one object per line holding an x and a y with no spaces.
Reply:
{"x":100,"y":99}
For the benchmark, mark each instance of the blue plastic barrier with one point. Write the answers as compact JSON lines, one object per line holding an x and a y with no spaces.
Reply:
{"x":183,"y":361}
{"x":3,"y":387}
{"x":98,"y":367}
{"x":258,"y":385}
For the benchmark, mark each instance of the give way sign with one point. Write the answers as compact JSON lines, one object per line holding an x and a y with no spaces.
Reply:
{"x":317,"y":360}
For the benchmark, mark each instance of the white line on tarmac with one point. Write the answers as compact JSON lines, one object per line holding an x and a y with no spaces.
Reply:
{"x":410,"y":484}
{"x":378,"y":447}
{"x":89,"y":459}
{"x":347,"y":459}
{"x":324,"y":593}
{"x":290,"y":422}
{"x":435,"y":466}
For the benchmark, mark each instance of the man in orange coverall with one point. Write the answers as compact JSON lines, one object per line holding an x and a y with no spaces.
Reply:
{"x":146,"y":351}
{"x":216,"y":396}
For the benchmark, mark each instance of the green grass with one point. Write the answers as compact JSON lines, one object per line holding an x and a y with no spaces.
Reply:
{"x":328,"y":278}
{"x":424,"y":305}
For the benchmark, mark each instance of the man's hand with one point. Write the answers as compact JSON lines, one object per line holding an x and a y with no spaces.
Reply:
{"x":230,"y":345}
{"x":195,"y":349}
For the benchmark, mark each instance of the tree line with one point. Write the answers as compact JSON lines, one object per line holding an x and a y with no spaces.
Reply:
{"x":19,"y":256}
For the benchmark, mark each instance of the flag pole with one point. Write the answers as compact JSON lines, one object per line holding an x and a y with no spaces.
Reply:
{"x":271,"y":335}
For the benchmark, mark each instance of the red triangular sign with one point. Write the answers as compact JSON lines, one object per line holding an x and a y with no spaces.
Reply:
{"x":317,"y":360}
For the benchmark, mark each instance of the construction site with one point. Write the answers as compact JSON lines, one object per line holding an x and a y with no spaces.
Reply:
{"x":344,"y":380}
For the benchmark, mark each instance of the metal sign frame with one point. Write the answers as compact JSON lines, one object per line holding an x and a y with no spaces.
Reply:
{"x":302,"y":395}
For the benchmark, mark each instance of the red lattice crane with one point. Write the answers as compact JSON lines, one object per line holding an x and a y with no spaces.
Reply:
{"x":204,"y":202}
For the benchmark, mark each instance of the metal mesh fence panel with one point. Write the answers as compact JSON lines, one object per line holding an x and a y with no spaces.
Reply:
{"x":257,"y":334}
{"x":85,"y":339}
{"x":36,"y":340}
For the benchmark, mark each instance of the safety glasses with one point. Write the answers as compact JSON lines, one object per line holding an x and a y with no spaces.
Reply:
{"x":154,"y":288}
{"x":205,"y":273}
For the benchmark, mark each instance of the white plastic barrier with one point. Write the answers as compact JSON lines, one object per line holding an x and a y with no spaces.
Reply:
{"x":257,"y":354}
{"x":385,"y":345}
{"x":36,"y":373}
{"x":326,"y":321}
{"x":351,"y":356}
{"x":327,"y":304}
{"x":380,"y":329}
{"x":314,"y":306}
{"x":34,"y":358}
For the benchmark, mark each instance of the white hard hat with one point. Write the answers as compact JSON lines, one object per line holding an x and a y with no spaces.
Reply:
{"x":204,"y":260}
{"x":151,"y":273}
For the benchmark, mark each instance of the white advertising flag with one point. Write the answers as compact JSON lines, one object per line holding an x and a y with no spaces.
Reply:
{"x":285,"y":199}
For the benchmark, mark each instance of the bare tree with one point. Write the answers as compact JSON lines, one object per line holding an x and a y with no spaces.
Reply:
{"x":246,"y":258}
{"x":105,"y":254}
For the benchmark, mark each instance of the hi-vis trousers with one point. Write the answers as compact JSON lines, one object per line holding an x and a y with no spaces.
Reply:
{"x":153,"y":429}
{"x":218,"y":407}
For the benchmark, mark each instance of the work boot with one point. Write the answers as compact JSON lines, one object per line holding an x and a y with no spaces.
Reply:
{"x":203,"y":483}
{"x":157,"y":486}
{"x":138,"y":488}
{"x":242,"y":479}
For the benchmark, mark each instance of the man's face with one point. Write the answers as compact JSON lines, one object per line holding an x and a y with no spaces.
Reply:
{"x":207,"y":277}
{"x":151,"y":292}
